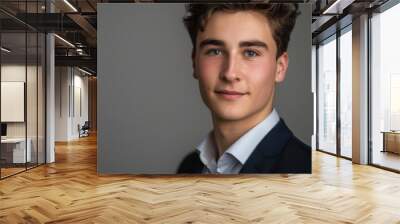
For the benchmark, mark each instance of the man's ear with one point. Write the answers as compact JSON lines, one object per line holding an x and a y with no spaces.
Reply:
{"x":281,"y":67}
{"x":193,"y":63}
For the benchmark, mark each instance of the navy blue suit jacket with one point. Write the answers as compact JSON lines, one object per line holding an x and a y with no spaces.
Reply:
{"x":278,"y":152}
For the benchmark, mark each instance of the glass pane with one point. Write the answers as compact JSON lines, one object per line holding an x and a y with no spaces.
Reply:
{"x":327,"y":96}
{"x":13,"y":86}
{"x":386,"y":89}
{"x":346,"y":94}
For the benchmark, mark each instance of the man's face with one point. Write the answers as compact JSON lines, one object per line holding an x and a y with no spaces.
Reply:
{"x":236,"y":65}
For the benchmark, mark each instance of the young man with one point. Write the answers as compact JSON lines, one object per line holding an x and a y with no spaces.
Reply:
{"x":239,"y":53}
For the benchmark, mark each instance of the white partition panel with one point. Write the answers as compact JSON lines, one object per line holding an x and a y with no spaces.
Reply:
{"x":12,"y":101}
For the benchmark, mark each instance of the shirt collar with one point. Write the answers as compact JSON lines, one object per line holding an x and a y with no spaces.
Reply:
{"x":208,"y":151}
{"x":243,"y":147}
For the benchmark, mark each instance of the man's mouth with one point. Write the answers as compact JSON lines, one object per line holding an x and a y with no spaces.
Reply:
{"x":230,"y":94}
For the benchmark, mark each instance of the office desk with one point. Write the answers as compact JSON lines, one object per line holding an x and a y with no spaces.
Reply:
{"x":391,"y":141}
{"x":15,"y":148}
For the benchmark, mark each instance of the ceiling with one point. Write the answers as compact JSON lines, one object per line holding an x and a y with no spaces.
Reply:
{"x":76,"y":22}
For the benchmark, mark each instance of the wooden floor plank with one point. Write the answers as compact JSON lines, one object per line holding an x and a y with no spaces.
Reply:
{"x":70,"y":191}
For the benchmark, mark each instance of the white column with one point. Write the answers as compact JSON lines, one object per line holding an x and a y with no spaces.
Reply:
{"x":50,"y":93}
{"x":360,"y":90}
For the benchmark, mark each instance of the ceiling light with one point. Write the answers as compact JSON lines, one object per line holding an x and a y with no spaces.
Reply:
{"x":5,"y":49}
{"x":337,"y":7}
{"x":86,"y":72}
{"x":331,"y":7}
{"x":65,"y":41}
{"x":70,"y":5}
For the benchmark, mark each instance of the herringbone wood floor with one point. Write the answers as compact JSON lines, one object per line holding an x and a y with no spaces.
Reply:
{"x":70,"y":191}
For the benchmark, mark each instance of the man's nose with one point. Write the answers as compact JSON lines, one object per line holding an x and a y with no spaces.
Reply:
{"x":231,"y":71}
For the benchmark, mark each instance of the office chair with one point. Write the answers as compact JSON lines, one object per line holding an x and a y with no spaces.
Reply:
{"x":84,"y":130}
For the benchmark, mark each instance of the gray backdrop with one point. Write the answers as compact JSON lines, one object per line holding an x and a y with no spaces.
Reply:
{"x":150,"y":114}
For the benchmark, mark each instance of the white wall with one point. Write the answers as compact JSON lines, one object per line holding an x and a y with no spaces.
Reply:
{"x":16,"y":73}
{"x":70,"y":84}
{"x":81,"y":103}
{"x":62,"y":81}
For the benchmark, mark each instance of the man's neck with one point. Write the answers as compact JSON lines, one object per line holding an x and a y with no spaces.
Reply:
{"x":226,"y":132}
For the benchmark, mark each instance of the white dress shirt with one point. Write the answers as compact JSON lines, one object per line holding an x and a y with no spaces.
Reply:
{"x":232,"y":160}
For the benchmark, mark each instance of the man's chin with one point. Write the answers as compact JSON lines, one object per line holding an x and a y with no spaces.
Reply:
{"x":229,"y":116}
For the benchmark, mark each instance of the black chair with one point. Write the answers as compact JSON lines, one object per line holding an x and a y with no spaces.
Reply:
{"x":84,"y":130}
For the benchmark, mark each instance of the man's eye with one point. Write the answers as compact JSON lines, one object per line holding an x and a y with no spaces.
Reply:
{"x":213,"y":52}
{"x":250,"y":53}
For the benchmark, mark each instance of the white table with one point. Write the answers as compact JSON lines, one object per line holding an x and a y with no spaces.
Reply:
{"x":18,"y":144}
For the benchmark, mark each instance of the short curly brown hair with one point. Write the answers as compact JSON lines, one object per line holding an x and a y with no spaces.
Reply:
{"x":281,"y":17}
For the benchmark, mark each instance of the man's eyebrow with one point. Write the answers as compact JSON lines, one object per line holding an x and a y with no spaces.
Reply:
{"x":253,"y":43}
{"x":211,"y":42}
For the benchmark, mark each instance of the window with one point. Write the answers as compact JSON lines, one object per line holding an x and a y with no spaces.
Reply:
{"x":385,"y":88}
{"x":22,"y":78}
{"x":346,"y":93}
{"x":327,"y":95}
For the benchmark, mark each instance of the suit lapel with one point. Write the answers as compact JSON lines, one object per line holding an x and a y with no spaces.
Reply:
{"x":198,"y":166}
{"x":268,"y":151}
